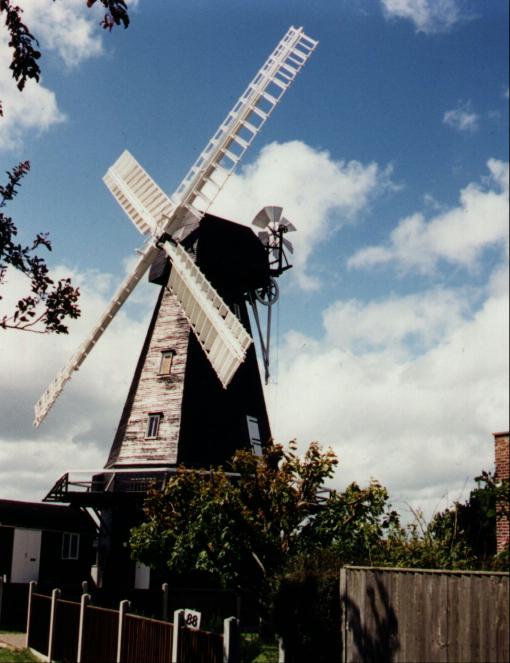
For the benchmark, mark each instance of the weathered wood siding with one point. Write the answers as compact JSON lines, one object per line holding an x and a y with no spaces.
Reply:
{"x":407,"y":615}
{"x":151,"y":392}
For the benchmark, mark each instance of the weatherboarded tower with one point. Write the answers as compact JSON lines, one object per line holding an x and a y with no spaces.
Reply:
{"x":177,"y":411}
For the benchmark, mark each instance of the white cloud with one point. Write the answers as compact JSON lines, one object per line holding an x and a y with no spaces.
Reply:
{"x":71,"y":31}
{"x":33,"y":109}
{"x":420,"y":422}
{"x":318,"y":194}
{"x":458,"y":236}
{"x":79,"y":431}
{"x":68,"y":28}
{"x":462,"y":118}
{"x":428,"y":16}
{"x":395,"y":322}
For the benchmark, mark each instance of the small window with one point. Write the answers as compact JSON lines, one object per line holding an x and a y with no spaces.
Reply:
{"x":254,"y":434}
{"x":153,"y":425}
{"x":70,"y":545}
{"x":165,"y":365}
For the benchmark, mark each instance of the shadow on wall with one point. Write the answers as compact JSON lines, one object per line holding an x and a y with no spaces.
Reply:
{"x":374,"y":639}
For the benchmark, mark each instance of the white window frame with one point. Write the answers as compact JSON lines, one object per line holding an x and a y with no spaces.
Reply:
{"x":70,"y":545}
{"x":153,"y":422}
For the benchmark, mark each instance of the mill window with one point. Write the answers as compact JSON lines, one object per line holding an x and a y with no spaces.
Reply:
{"x":165,"y":364}
{"x":70,"y":545}
{"x":254,"y":435}
{"x":153,"y":425}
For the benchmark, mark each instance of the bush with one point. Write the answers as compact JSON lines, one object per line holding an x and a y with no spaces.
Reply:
{"x":306,"y":612}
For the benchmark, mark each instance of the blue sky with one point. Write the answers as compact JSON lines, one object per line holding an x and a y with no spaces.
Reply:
{"x":390,"y":154}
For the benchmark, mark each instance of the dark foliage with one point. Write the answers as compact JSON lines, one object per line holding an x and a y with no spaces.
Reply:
{"x":49,"y":303}
{"x":116,"y":13}
{"x":306,"y":612}
{"x":26,"y":53}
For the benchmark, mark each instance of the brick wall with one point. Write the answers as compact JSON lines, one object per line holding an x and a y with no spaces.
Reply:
{"x":501,"y":449}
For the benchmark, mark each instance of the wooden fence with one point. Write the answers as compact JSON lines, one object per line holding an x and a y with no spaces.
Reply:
{"x":100,"y":634}
{"x":200,"y":647}
{"x":67,"y":623}
{"x":71,"y":632}
{"x":39,"y":622}
{"x":146,"y":640}
{"x":404,"y":615}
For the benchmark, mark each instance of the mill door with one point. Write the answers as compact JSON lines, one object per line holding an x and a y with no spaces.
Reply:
{"x":26,"y":551}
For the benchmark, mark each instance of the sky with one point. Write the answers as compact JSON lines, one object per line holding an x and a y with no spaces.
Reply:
{"x":389,"y":154}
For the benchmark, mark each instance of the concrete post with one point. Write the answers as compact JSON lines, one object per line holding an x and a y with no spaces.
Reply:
{"x":178,"y":623}
{"x":231,"y":644}
{"x":123,"y":608}
{"x":164,"y":601}
{"x":281,"y":651}
{"x":84,"y":601}
{"x":32,"y":586}
{"x":55,"y":595}
{"x":2,"y":582}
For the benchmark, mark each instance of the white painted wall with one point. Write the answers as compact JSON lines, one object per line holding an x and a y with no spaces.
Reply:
{"x":26,"y":552}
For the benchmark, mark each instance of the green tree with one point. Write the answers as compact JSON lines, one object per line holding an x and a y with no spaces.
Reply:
{"x":243,"y":528}
{"x":460,"y":537}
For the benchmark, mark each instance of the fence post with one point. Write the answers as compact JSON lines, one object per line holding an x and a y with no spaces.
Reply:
{"x":343,"y":615}
{"x":164,"y":602}
{"x":281,"y":650}
{"x":231,"y":640}
{"x":31,"y":588}
{"x":2,"y":582}
{"x":84,"y":587}
{"x":178,"y":622}
{"x":55,"y":595}
{"x":123,"y":608}
{"x":84,"y":601}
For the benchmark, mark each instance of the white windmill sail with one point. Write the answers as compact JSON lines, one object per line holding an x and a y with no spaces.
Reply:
{"x":54,"y":389}
{"x":219,"y":332}
{"x":208,"y":174}
{"x":154,"y":213}
{"x":137,"y":193}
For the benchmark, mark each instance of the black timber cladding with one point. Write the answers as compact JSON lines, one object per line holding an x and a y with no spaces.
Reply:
{"x":214,"y":420}
{"x":203,"y":422}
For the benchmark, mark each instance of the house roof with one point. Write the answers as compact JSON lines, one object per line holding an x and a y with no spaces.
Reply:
{"x":36,"y":515}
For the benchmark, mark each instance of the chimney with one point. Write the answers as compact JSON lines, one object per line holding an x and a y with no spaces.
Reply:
{"x":501,"y":451}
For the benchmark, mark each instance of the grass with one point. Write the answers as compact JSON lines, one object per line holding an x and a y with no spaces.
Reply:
{"x":16,"y":656}
{"x":255,"y":650}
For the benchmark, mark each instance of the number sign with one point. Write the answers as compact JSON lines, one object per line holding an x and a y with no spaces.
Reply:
{"x":192,"y":618}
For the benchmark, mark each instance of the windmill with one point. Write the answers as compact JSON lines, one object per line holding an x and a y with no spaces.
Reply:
{"x":181,"y":233}
{"x":196,"y":395}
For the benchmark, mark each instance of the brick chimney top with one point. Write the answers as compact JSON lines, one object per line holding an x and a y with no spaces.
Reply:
{"x":502,"y":472}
